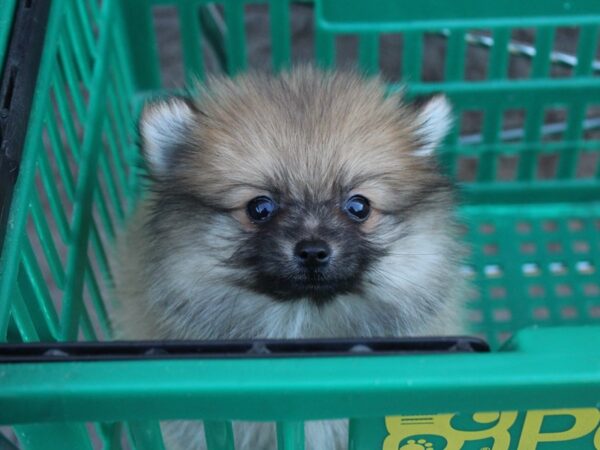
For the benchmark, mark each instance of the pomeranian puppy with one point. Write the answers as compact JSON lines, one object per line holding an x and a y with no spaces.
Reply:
{"x":304,"y":205}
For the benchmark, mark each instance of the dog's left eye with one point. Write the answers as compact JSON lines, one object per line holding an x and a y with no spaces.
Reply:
{"x":261,"y":209}
{"x":358,"y":208}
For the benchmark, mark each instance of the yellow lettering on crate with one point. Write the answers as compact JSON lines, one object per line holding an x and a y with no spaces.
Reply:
{"x":586,"y":420}
{"x":400,"y":428}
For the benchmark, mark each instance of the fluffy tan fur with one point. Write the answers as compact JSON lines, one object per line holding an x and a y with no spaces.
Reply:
{"x":306,"y":134}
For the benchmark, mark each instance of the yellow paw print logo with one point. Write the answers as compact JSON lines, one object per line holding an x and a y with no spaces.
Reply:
{"x":421,"y":444}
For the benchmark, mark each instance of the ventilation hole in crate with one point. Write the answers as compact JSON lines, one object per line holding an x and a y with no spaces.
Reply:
{"x":168,"y":38}
{"x":503,"y":336}
{"x":61,"y":165}
{"x":70,"y":96}
{"x":478,"y":55}
{"x":547,"y":165}
{"x":60,"y":161}
{"x":95,"y":435}
{"x":390,"y":58}
{"x":549,"y":226}
{"x":537,"y":291}
{"x":71,"y":132}
{"x":346,"y":50}
{"x":471,"y":126}
{"x":513,"y":122}
{"x":93,"y":300}
{"x":47,"y":276}
{"x":490,"y":249}
{"x":563,"y":290}
{"x":463,"y":229}
{"x":493,"y":271}
{"x":554,"y":247}
{"x":569,"y":312}
{"x":521,"y":49}
{"x":592,"y":123}
{"x":565,"y":46}
{"x":523,"y":227}
{"x":575,"y":225}
{"x":555,"y":119}
{"x":475,"y":316}
{"x":473,"y":295}
{"x":497,"y":292}
{"x":467,"y":169}
{"x":528,"y":248}
{"x":557,"y":268}
{"x":541,"y":313}
{"x":434,"y":57}
{"x":594,"y":312}
{"x":502,"y":315}
{"x":531,"y":269}
{"x":585,"y":267}
{"x":487,"y":228}
{"x":7,"y":434}
{"x":507,"y":168}
{"x":587,"y":164}
{"x":467,"y":271}
{"x":591,"y":289}
{"x":257,"y":33}
{"x":581,"y":247}
{"x":303,"y":32}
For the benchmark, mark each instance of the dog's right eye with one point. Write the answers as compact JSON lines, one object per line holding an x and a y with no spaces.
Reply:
{"x":261,"y":209}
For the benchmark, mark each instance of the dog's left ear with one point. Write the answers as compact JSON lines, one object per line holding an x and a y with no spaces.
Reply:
{"x":164,"y":128}
{"x":434,"y":120}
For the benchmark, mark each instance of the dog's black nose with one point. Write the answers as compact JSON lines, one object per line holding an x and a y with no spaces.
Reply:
{"x":313,"y":254}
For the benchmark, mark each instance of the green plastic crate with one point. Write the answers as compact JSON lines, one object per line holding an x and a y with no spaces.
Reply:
{"x":535,"y":239}
{"x":7,"y":7}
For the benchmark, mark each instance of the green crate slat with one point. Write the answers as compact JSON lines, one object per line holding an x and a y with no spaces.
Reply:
{"x":85,"y":183}
{"x":191,"y":42}
{"x":280,"y":34}
{"x":45,"y":237}
{"x":325,"y":51}
{"x":8,"y":8}
{"x":59,"y":154}
{"x":363,"y":433}
{"x":98,"y":302}
{"x":44,"y":437}
{"x":290,"y":435}
{"x":69,"y":73}
{"x":66,"y":119}
{"x":145,"y":435}
{"x":412,"y":54}
{"x":343,"y":16}
{"x":529,"y":376}
{"x":368,"y":52}
{"x":110,"y":433}
{"x":455,"y":55}
{"x":141,"y":44}
{"x":86,"y":327}
{"x":99,"y":252}
{"x":83,"y":50}
{"x":111,"y":185}
{"x":236,"y":37}
{"x":219,"y":435}
{"x":101,"y":206}
{"x":27,"y":330}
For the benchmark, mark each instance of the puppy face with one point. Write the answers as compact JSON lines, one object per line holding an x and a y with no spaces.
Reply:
{"x":295,"y":187}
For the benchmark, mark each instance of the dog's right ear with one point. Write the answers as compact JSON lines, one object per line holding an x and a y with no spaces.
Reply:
{"x":165,"y":127}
